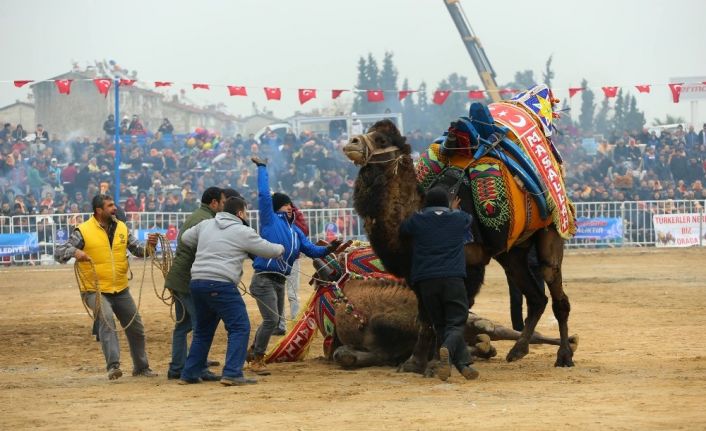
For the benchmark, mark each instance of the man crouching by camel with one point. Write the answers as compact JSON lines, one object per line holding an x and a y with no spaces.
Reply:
{"x":101,"y":244}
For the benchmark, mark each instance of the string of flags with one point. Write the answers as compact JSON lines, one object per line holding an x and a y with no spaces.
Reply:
{"x":304,"y":95}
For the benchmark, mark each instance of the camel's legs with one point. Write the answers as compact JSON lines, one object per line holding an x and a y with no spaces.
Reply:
{"x":423,"y":350}
{"x":477,"y":325}
{"x":348,"y":357}
{"x":550,"y":248}
{"x":516,"y":267}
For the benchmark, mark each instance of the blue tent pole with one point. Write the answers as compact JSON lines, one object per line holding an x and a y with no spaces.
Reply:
{"x":116,"y":83}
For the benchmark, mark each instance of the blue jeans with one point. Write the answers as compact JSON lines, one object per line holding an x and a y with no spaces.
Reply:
{"x":215,"y":301}
{"x":185,"y":316}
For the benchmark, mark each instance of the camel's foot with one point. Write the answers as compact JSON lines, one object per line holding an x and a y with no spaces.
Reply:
{"x":411,"y":365}
{"x":564,"y":358}
{"x":345,"y":357}
{"x":432,"y":369}
{"x":574,"y":342}
{"x":483,"y":349}
{"x":518,"y":351}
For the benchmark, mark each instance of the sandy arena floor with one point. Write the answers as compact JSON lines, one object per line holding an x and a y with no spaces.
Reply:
{"x":641,"y":363}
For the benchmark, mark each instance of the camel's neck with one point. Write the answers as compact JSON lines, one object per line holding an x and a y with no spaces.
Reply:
{"x":386,"y":195}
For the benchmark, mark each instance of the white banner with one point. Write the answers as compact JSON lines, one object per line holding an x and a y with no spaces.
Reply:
{"x":679,"y":230}
{"x":693,"y":88}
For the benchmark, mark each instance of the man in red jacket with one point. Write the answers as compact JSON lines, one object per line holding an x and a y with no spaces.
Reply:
{"x":292,"y":283}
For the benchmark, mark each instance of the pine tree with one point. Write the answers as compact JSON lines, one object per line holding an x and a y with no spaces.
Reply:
{"x":601,"y":120}
{"x":588,"y":107}
{"x":523,"y":81}
{"x":423,"y":108}
{"x":635,"y":119}
{"x":619,"y":114}
{"x":548,"y":74}
{"x":362,"y":84}
{"x":388,"y":81}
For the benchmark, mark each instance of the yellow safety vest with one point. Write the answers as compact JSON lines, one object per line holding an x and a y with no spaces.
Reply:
{"x":110,"y":262}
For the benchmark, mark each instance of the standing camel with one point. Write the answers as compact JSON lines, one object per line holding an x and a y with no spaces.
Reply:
{"x":386,"y":193}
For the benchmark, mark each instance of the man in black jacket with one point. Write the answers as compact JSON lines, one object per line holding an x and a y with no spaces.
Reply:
{"x":438,"y":268}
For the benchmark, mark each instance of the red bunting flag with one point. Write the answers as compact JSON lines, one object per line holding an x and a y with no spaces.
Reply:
{"x":273,"y":93}
{"x":507,"y":91}
{"x":306,"y":94}
{"x":336,"y":93}
{"x":162,"y":84}
{"x":63,"y":85}
{"x":202,"y":86}
{"x":610,"y":91}
{"x":676,"y":91}
{"x":574,"y":90}
{"x":376,"y":95}
{"x":103,"y":85}
{"x":20,"y":84}
{"x":643,"y":88}
{"x":404,"y":93}
{"x":476,"y":94}
{"x":234,"y":90}
{"x":440,"y":96}
{"x":128,"y":82}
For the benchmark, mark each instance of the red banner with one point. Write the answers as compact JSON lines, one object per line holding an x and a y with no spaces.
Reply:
{"x":306,"y":94}
{"x":237,"y":91}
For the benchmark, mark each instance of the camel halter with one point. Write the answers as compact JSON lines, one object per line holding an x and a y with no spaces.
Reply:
{"x":371,"y":151}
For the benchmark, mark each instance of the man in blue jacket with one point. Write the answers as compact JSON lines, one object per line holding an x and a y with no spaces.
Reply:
{"x":267,"y":285}
{"x":438,"y":235}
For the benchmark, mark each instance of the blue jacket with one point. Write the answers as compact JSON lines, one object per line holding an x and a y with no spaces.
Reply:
{"x":276,"y":228}
{"x":438,"y":237}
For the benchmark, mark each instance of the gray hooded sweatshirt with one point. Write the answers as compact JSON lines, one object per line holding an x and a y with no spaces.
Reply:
{"x":222,"y":244}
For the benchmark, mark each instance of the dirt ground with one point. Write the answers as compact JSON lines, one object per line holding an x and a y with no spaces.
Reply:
{"x":641,"y":363}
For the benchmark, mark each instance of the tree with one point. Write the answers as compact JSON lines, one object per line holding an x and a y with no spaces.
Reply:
{"x":523,"y":80}
{"x":423,"y":108}
{"x":588,"y":107}
{"x":634,"y":119}
{"x":388,"y":81}
{"x":668,"y":120}
{"x":619,"y":114}
{"x":548,"y":73}
{"x":363,"y":84}
{"x":455,"y":106}
{"x":601,"y":121}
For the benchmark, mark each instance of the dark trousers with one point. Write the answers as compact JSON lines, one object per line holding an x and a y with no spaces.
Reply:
{"x":215,"y":301}
{"x":516,"y":297}
{"x":446,"y":304}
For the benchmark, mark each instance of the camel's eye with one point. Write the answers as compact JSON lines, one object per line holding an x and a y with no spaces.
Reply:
{"x":379,"y":140}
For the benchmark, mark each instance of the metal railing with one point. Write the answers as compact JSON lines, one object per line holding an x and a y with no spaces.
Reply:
{"x":635,"y":220}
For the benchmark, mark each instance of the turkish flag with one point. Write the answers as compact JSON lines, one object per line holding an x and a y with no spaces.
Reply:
{"x":610,"y":91}
{"x":203,"y":86}
{"x":574,"y":90}
{"x":507,"y":91}
{"x":440,"y":96}
{"x":63,"y":85}
{"x":162,"y":84}
{"x":643,"y":88}
{"x":336,"y":93}
{"x":20,"y":84}
{"x":405,"y":93}
{"x":375,"y":95}
{"x":676,"y":91}
{"x":103,"y":85}
{"x":476,"y":94}
{"x":306,"y":94}
{"x":234,"y":90}
{"x":273,"y":93}
{"x":127,"y":82}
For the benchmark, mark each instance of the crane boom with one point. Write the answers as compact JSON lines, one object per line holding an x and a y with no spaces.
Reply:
{"x":475,"y":49}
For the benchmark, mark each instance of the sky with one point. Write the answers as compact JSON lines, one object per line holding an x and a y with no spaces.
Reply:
{"x":317,"y":43}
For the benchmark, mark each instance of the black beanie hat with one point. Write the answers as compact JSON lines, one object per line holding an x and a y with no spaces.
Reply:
{"x":436,"y":197}
{"x":280,"y":199}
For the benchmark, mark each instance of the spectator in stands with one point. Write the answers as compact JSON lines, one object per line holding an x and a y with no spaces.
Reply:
{"x":136,"y":127}
{"x":166,"y":127}
{"x":109,"y":125}
{"x":42,"y":136}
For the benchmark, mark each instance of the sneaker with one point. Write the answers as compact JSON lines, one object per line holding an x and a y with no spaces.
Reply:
{"x":184,"y":381}
{"x":469,"y":373}
{"x":444,"y":370}
{"x":258,"y":366}
{"x":145,"y":372}
{"x":237,"y":381}
{"x":114,"y":373}
{"x":171,"y":375}
{"x":209,"y":376}
{"x":279,"y":331}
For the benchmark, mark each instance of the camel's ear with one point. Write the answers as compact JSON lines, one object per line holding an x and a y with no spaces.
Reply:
{"x":402,"y":144}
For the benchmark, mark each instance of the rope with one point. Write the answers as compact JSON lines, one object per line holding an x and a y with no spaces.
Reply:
{"x":164,"y":264}
{"x":92,"y":287}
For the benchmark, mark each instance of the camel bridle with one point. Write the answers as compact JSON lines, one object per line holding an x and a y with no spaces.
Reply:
{"x":369,"y":150}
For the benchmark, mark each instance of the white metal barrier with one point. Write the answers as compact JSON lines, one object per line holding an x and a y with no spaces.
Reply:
{"x":635,"y":219}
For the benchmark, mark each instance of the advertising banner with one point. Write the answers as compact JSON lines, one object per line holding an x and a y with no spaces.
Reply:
{"x":12,"y":244}
{"x":679,"y":230}
{"x":599,"y":228}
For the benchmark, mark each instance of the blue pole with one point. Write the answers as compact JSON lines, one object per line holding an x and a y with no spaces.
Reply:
{"x":116,"y":83}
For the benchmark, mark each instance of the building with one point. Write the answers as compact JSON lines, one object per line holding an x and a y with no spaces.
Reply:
{"x":19,"y":113}
{"x":83,"y":111}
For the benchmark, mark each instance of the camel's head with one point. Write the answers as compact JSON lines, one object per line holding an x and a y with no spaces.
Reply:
{"x":382,"y":143}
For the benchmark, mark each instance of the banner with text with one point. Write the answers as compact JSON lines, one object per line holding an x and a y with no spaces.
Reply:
{"x":679,"y":230}
{"x":12,"y":244}
{"x":599,"y":228}
{"x":170,"y":233}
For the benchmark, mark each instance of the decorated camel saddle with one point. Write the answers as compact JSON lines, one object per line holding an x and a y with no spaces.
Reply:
{"x":503,"y":154}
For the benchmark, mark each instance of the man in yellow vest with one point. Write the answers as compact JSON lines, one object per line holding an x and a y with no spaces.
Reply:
{"x":101,"y":244}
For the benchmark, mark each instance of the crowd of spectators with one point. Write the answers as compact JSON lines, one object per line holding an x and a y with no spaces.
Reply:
{"x":164,"y":172}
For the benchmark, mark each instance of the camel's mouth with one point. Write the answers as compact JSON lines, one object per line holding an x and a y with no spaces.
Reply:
{"x":355,"y":152}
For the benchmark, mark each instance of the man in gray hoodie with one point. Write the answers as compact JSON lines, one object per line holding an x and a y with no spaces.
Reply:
{"x":222,"y":244}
